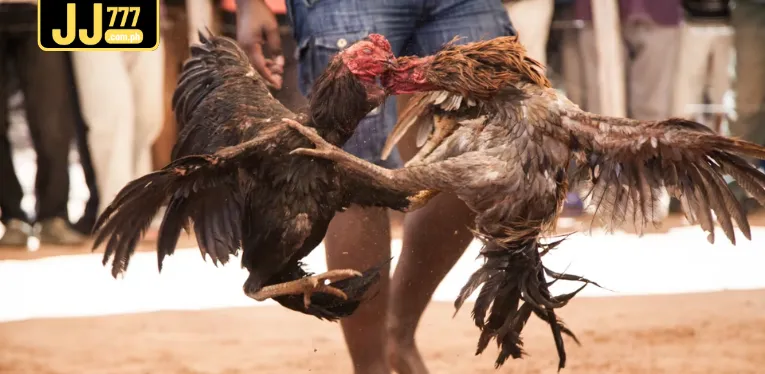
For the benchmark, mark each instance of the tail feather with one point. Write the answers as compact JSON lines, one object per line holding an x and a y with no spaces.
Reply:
{"x":515,"y":286}
{"x":198,"y":189}
{"x":129,"y":216}
{"x":170,"y":229}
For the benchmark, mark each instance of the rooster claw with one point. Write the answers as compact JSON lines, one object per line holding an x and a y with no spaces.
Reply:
{"x":308,"y":286}
{"x":308,"y":132}
{"x":323,"y":148}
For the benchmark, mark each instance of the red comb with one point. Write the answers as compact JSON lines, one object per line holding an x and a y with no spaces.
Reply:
{"x":380,"y":41}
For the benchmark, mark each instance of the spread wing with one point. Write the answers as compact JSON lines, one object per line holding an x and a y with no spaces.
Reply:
{"x":629,"y":161}
{"x":217,"y":94}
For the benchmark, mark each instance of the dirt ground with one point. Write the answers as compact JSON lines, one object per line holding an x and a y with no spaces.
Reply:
{"x":720,"y":332}
{"x":699,"y":333}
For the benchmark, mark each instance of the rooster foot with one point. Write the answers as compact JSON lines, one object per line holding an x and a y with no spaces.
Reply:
{"x":307,"y":286}
{"x":323,"y":148}
{"x":375,"y":174}
{"x":419,"y":199}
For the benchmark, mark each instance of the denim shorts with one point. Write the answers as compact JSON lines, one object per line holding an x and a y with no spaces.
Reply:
{"x":413,"y":27}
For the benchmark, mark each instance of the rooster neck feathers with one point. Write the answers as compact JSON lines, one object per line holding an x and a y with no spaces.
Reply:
{"x":482,"y":69}
{"x":335,"y":107}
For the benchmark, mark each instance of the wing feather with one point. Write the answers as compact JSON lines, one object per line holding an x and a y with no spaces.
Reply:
{"x":200,"y":186}
{"x":630,"y":161}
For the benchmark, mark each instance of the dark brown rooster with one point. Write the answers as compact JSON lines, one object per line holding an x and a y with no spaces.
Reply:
{"x":232,"y":177}
{"x":495,"y":132}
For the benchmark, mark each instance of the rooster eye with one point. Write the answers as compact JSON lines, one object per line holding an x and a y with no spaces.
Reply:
{"x":367,"y":51}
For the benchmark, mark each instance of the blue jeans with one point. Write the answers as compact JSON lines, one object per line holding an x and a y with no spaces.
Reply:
{"x":420,"y":27}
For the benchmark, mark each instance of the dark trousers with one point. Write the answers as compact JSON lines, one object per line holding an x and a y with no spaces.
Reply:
{"x":49,"y":110}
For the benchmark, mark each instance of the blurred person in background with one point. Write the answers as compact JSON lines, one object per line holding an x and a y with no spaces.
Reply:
{"x":175,"y":36}
{"x":650,"y":30}
{"x":563,"y":39}
{"x":572,"y":67}
{"x":122,"y":101}
{"x":651,"y":35}
{"x":702,"y":75}
{"x":51,"y":119}
{"x":706,"y":49}
{"x":360,"y":238}
{"x":748,"y":20}
{"x":532,"y":20}
{"x":182,"y":20}
{"x":90,"y":212}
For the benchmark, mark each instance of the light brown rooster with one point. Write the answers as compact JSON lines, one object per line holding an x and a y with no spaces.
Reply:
{"x":498,"y":135}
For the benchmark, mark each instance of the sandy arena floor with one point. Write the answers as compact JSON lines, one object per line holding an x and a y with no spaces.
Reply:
{"x":697,"y":333}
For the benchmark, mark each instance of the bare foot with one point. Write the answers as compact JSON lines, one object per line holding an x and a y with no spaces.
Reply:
{"x":404,"y":357}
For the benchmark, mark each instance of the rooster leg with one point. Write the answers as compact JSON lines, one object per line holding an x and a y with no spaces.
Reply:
{"x":419,"y":199}
{"x":264,"y":137}
{"x":390,"y":179}
{"x":386,"y":177}
{"x":307,"y":286}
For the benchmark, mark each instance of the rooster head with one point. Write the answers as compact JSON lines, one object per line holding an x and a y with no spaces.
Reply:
{"x":367,"y":60}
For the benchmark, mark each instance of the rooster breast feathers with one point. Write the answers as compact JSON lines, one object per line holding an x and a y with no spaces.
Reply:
{"x":218,"y":101}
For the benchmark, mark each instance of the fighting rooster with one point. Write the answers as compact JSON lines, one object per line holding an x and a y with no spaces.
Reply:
{"x":233,"y":180}
{"x":495,"y":132}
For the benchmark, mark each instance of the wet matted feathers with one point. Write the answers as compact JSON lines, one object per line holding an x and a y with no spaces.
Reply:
{"x":234,"y":183}
{"x":516,"y":147}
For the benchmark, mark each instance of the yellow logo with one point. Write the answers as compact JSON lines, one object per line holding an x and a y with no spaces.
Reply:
{"x":96,"y":25}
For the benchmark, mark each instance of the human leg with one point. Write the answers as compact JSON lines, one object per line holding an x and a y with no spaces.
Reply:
{"x":13,"y":218}
{"x":436,"y":235}
{"x":200,"y":15}
{"x":651,"y":72}
{"x":572,"y":69}
{"x":696,"y":46}
{"x":748,"y":21}
{"x":10,"y":188}
{"x":85,"y":224}
{"x":532,"y":19}
{"x":106,"y":102}
{"x":51,"y":118}
{"x":589,"y":52}
{"x":176,"y":44}
{"x":358,"y":237}
{"x":719,"y":78}
{"x":147,"y":75}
